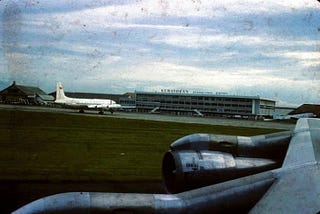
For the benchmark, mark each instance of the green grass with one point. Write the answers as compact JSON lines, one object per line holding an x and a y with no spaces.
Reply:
{"x":60,"y":147}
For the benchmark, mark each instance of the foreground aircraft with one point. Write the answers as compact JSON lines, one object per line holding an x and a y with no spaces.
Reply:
{"x":274,"y":173}
{"x":78,"y":103}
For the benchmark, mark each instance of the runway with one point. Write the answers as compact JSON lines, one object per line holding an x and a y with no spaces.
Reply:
{"x":159,"y":117}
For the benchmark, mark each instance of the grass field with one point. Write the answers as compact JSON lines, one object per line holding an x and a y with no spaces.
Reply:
{"x":47,"y":153}
{"x":36,"y":146}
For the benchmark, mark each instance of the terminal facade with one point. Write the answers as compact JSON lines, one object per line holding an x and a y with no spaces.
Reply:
{"x":205,"y":104}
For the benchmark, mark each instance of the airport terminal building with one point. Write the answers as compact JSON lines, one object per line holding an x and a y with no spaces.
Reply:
{"x":167,"y":101}
{"x":180,"y":102}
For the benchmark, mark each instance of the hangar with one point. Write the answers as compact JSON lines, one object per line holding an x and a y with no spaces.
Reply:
{"x":307,"y":108}
{"x":21,"y":94}
{"x":204,"y":104}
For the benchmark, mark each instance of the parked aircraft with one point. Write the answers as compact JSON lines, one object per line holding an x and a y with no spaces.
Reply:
{"x":274,"y":173}
{"x":294,"y":116}
{"x":78,"y":103}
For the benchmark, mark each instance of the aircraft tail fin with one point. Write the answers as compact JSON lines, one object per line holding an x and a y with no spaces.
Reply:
{"x":60,"y":93}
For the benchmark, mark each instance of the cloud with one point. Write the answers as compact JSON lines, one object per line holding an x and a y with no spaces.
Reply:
{"x":197,"y":8}
{"x":163,"y":7}
{"x":100,"y":46}
{"x":193,"y":40}
{"x":194,"y":77}
{"x":310,"y":58}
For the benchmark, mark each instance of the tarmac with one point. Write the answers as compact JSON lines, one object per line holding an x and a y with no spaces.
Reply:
{"x":161,"y":117}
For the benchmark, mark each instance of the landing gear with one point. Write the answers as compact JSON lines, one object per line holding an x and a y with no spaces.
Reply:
{"x":101,"y":112}
{"x":81,"y":111}
{"x":111,"y":111}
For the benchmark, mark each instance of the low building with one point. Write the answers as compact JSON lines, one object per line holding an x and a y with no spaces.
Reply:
{"x":128,"y":101}
{"x":281,"y":111}
{"x":21,"y":94}
{"x":204,"y":104}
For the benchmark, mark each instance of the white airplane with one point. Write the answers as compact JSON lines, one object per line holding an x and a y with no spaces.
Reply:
{"x":82,"y":104}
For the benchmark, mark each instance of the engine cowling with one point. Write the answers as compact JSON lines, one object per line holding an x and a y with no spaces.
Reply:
{"x":186,"y":170}
{"x":202,"y":159}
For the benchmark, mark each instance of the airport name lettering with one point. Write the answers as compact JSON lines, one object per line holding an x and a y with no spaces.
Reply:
{"x":183,"y":91}
{"x":175,"y":91}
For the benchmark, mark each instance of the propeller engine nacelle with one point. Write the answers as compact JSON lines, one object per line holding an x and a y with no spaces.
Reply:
{"x":199,"y":160}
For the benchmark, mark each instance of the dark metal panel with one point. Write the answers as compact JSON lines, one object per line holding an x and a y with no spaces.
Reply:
{"x":296,"y":191}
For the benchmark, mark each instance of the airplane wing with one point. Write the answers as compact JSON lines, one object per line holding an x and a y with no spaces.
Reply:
{"x":297,"y":186}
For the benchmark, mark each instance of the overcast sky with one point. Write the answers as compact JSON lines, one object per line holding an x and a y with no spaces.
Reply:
{"x":269,"y":48}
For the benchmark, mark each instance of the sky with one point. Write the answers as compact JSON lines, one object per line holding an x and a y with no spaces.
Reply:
{"x":248,"y":47}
